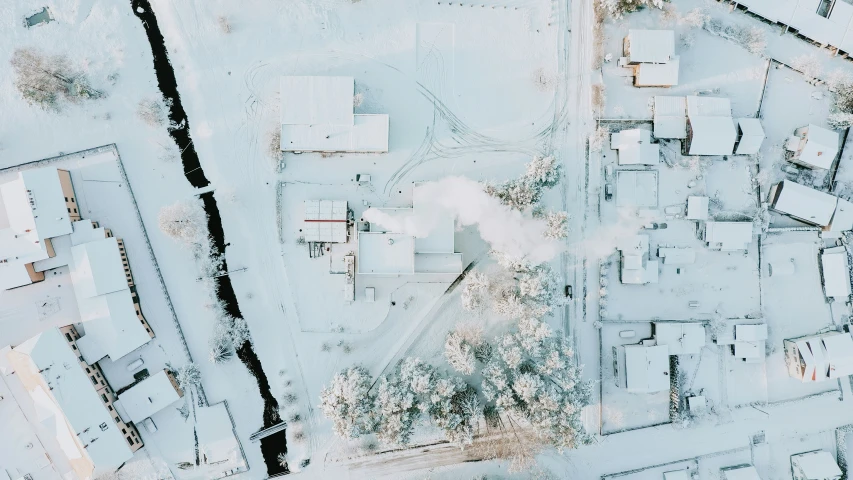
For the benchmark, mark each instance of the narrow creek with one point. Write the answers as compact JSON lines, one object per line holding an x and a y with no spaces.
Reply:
{"x":275,"y":444}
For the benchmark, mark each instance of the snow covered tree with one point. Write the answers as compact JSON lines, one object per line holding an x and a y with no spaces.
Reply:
{"x":618,"y":8}
{"x":239,"y":332}
{"x":44,"y":79}
{"x":348,"y":403}
{"x":451,"y":409}
{"x":459,"y":347}
{"x":221,"y":344}
{"x":536,"y":380}
{"x":839,"y":120}
{"x":557,"y":225}
{"x":526,"y":192}
{"x":188,"y":376}
{"x":184,"y":221}
{"x":398,"y":404}
{"x":476,"y":287}
{"x":153,"y":111}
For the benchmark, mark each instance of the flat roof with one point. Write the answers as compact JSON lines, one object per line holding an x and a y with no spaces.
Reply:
{"x":819,"y":465}
{"x":708,"y":106}
{"x":741,"y":473}
{"x":386,"y":253}
{"x":317,"y":100}
{"x":325,"y":221}
{"x":366,"y":134}
{"x":677,"y":255}
{"x":697,"y":208}
{"x":842,"y":219}
{"x":636,"y":188}
{"x":647,"y":368}
{"x":681,"y":338}
{"x":71,"y":401}
{"x":651,"y":46}
{"x":728,"y":235}
{"x":836,"y":275}
{"x":804,"y":203}
{"x":149,"y":397}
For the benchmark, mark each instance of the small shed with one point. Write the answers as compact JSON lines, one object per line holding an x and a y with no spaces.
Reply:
{"x":681,"y":338}
{"x":325,"y":221}
{"x":802,"y":203}
{"x":670,"y":117}
{"x":697,"y":208}
{"x":642,"y":368}
{"x":728,"y":236}
{"x":635,"y":147}
{"x":750,"y":136}
{"x":813,"y":147}
{"x":817,"y":465}
{"x":836,"y":273}
{"x":747,"y":472}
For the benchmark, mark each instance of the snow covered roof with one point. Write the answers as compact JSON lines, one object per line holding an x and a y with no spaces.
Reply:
{"x":66,"y":401}
{"x":647,"y":368}
{"x":741,"y":473}
{"x":386,"y":253}
{"x":97,"y":268}
{"x":842,"y":219}
{"x":216,"y":438}
{"x":650,"y":46}
{"x":677,"y":475}
{"x":712,"y":135}
{"x":681,"y":338}
{"x":633,"y":244}
{"x":697,"y":208}
{"x":751,"y":136}
{"x":325,"y":221}
{"x":677,"y":256}
{"x":751,"y":332}
{"x":708,"y":106}
{"x":826,"y":356}
{"x":657,"y":74}
{"x":728,"y":236}
{"x":803,"y":203}
{"x":670,"y":117}
{"x":836,"y":273}
{"x":818,"y":147}
{"x":817,"y":465}
{"x":149,"y":396}
{"x":635,"y":147}
{"x":636,"y":188}
{"x":106,"y":305}
{"x":317,"y":115}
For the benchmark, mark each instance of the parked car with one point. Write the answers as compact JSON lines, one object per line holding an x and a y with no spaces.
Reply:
{"x":608,"y":191}
{"x":655,"y":226}
{"x":569,"y":292}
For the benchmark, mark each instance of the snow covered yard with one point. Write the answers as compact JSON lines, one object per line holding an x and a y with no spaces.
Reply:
{"x":705,"y":467}
{"x":794,"y":306}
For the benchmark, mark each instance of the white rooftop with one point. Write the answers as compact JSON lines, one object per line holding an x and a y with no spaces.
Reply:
{"x":636,"y":188}
{"x":317,"y":115}
{"x":820,"y":149}
{"x":657,"y":74}
{"x":751,"y":136}
{"x":681,"y":338}
{"x":149,"y":397}
{"x":70,"y":405}
{"x":818,"y":465}
{"x":711,"y":124}
{"x":741,"y":473}
{"x":670,"y":117}
{"x":842,"y":219}
{"x":97,"y":268}
{"x":325,"y":221}
{"x":677,"y":255}
{"x":697,"y":208}
{"x":635,"y":147}
{"x":647,"y":368}
{"x":803,"y":203}
{"x":836,"y":273}
{"x":728,"y":236}
{"x":826,"y":356}
{"x":651,"y":46}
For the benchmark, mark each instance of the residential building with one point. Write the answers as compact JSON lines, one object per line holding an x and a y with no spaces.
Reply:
{"x":750,"y":136}
{"x":728,"y":236}
{"x":670,"y":117}
{"x":651,"y":56}
{"x":817,"y":465}
{"x":836,"y":273}
{"x":635,"y":147}
{"x":35,"y":207}
{"x":813,"y":147}
{"x":821,"y":357}
{"x":385,"y":252}
{"x":73,"y":398}
{"x":641,"y":368}
{"x":681,"y":338}
{"x":803,"y":203}
{"x":149,"y":396}
{"x":317,"y":116}
{"x":710,"y":127}
{"x":636,"y":268}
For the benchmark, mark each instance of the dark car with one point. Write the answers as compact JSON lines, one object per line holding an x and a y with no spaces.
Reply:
{"x":569,"y":292}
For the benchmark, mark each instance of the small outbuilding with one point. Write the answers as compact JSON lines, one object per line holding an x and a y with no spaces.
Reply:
{"x":817,"y":465}
{"x":697,"y":208}
{"x":681,"y":338}
{"x":728,"y":236}
{"x":747,"y":472}
{"x":813,"y":147}
{"x":635,"y":147}
{"x":750,"y":136}
{"x":803,"y":203}
{"x":670,"y":117}
{"x":642,"y":368}
{"x":836,"y":273}
{"x":325,"y":221}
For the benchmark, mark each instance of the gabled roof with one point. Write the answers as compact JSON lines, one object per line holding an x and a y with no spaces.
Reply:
{"x":752,"y":135}
{"x":804,"y":203}
{"x":149,"y":397}
{"x":817,"y":465}
{"x":821,"y":147}
{"x":97,"y":268}
{"x":651,"y":46}
{"x":670,"y":117}
{"x":657,"y":74}
{"x":112,"y":322}
{"x":712,"y":135}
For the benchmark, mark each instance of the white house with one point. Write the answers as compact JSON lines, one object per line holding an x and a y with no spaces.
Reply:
{"x":842,"y":220}
{"x":749,"y":344}
{"x":325,"y":221}
{"x":819,"y":357}
{"x":77,"y":407}
{"x":35,"y":207}
{"x":817,"y":465}
{"x":384,"y":252}
{"x":636,"y":268}
{"x":711,"y":129}
{"x":670,"y":117}
{"x":836,"y":273}
{"x":803,"y":203}
{"x":728,"y":236}
{"x":750,"y":136}
{"x":813,"y":147}
{"x":651,"y":53}
{"x":110,"y":312}
{"x":642,"y":368}
{"x":681,"y":338}
{"x":697,"y":208}
{"x":747,"y":472}
{"x":150,"y":396}
{"x":317,"y":116}
{"x":635,"y":147}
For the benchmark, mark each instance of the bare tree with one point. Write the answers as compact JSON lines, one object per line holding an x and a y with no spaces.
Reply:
{"x":184,"y":221}
{"x":44,"y":79}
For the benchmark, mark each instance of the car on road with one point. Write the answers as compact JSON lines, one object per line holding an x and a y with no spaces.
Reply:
{"x":569,"y":292}
{"x":608,"y":191}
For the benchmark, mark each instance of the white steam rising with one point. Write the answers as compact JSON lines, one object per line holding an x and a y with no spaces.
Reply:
{"x":506,"y":230}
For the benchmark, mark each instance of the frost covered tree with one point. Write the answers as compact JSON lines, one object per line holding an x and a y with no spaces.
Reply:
{"x":347,"y":401}
{"x":221,"y":344}
{"x":397,"y":409}
{"x":525,"y":192}
{"x":460,"y":346}
{"x":557,"y":225}
{"x":153,"y":111}
{"x":184,"y":221}
{"x":44,"y":79}
{"x":520,"y":291}
{"x":839,"y":120}
{"x":533,"y":378}
{"x":618,"y":8}
{"x":188,"y":376}
{"x":475,"y":290}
